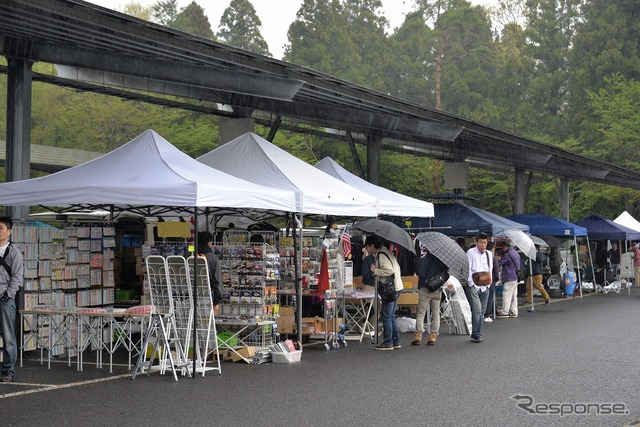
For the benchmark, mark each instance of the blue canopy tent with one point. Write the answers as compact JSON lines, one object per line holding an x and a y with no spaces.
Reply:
{"x":601,"y":228}
{"x":547,"y":225}
{"x":459,"y":219}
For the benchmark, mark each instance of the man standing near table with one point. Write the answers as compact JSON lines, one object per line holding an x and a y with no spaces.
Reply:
{"x":11,"y":276}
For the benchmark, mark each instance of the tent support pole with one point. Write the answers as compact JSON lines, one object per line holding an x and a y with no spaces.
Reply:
{"x":298,"y":275}
{"x":194,"y":291}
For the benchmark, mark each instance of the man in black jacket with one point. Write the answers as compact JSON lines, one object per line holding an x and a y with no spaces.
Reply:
{"x":536,"y":278}
{"x":430,"y":266}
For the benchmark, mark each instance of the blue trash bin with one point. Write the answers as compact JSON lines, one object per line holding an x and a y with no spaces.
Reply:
{"x":569,"y":283}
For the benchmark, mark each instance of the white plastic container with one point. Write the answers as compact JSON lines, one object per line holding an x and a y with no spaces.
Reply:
{"x":288,"y":357}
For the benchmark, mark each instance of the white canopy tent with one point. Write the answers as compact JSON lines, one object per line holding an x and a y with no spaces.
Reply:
{"x":389,"y":202}
{"x":255,"y":159}
{"x":145,"y":172}
{"x":628,"y":221}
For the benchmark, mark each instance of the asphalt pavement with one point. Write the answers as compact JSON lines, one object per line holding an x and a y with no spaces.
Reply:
{"x":572,"y":362}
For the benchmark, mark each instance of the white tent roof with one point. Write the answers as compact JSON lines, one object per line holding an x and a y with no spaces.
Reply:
{"x":257,"y":160}
{"x":628,"y":221}
{"x":389,"y":202}
{"x":145,"y":171}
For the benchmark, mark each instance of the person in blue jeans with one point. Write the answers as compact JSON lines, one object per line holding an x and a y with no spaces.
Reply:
{"x":480,"y":261}
{"x":11,"y":276}
{"x":385,"y":267}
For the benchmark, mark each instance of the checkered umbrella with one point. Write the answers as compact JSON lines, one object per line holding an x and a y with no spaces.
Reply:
{"x":448,"y":251}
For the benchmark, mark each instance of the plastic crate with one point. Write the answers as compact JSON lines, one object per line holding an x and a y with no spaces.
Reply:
{"x":288,"y":357}
{"x":228,"y":338}
{"x":125,"y":294}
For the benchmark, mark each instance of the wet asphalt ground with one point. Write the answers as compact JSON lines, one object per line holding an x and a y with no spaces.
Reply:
{"x":573,"y":362}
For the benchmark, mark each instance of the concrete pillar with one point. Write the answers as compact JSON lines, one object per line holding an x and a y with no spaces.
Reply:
{"x":19,"y":79}
{"x":563,"y":198}
{"x":374,"y":149}
{"x":521,"y":191}
{"x":230,"y":129}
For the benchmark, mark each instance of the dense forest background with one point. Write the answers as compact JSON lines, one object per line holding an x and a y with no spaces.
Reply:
{"x":564,"y":72}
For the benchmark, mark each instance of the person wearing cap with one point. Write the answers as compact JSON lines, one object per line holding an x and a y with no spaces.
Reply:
{"x":509,"y":262}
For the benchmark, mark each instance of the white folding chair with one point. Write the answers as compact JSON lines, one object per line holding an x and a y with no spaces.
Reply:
{"x":611,"y":282}
{"x":206,"y":332}
{"x":181,"y":297}
{"x":162,"y":332}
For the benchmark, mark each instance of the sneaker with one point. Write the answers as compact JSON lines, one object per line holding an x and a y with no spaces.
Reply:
{"x":513,"y":315}
{"x":476,"y":339}
{"x":488,"y":319}
{"x":7,"y":378}
{"x":383,"y":347}
{"x":502,"y":315}
{"x":546,"y":302}
{"x":397,"y":346}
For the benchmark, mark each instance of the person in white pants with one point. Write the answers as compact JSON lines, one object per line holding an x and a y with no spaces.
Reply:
{"x":509,"y":261}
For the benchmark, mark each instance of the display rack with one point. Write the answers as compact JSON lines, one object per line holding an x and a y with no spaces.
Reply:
{"x":250,"y":273}
{"x":64,"y":268}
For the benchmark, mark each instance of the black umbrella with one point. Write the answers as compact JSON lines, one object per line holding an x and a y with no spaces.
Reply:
{"x":448,"y":251}
{"x":387,"y":230}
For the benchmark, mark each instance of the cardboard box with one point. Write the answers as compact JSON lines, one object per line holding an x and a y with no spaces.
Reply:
{"x":410,"y":282}
{"x":287,"y":310}
{"x":246,"y":352}
{"x":357,"y":282}
{"x":408,"y":298}
{"x":310,"y":325}
{"x":286,"y":324}
{"x":329,"y":325}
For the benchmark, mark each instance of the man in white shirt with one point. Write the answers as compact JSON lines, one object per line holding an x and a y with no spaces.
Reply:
{"x":480,"y":260}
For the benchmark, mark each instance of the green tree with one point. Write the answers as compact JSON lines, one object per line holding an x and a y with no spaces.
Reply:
{"x":549,"y":35}
{"x":606,"y":43}
{"x":318,"y":38}
{"x":192,"y":20}
{"x":139,"y":10}
{"x":165,"y":12}
{"x":615,"y":124}
{"x":411,"y":65}
{"x":366,"y":29}
{"x":341,"y":38}
{"x":240,"y":27}
{"x":468,"y":56}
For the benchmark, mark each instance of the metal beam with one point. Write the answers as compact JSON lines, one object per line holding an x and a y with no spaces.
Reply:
{"x":116,"y":68}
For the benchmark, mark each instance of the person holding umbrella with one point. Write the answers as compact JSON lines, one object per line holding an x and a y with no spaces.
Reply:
{"x":430,"y":266}
{"x":478,"y":282}
{"x":442,"y":257}
{"x":509,"y":261}
{"x":384,"y":267}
